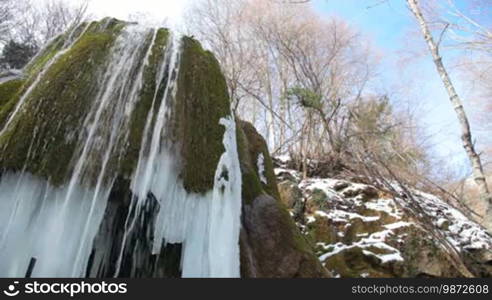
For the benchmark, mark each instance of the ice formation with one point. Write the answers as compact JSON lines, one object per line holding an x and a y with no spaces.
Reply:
{"x":32,"y":226}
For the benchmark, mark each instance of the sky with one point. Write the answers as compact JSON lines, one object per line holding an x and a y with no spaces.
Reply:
{"x":387,"y":23}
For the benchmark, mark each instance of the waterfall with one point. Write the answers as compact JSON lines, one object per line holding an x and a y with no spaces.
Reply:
{"x":57,"y":224}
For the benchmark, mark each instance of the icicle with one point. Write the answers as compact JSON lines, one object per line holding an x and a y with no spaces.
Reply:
{"x":37,"y":222}
{"x":207,"y":225}
{"x":226,"y":209}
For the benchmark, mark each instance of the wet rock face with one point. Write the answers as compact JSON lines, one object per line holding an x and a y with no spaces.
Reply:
{"x":201,"y":101}
{"x":362,"y":231}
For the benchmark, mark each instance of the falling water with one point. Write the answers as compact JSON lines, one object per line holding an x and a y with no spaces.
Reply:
{"x":57,"y":224}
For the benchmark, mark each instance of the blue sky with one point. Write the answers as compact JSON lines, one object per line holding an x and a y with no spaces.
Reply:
{"x":384,"y":22}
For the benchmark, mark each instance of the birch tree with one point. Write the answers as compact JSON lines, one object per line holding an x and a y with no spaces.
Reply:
{"x":466,"y":136}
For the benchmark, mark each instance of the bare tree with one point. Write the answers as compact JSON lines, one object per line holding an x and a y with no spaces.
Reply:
{"x":294,"y":74}
{"x":7,"y":14}
{"x":466,"y":137}
{"x":57,"y":16}
{"x":27,"y":25}
{"x":470,"y":32}
{"x":37,"y":23}
{"x":217,"y":23}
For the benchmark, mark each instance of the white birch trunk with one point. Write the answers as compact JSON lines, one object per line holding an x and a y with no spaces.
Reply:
{"x":466,"y":137}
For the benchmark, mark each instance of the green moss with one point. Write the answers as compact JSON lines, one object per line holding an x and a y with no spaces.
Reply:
{"x":321,"y":230}
{"x":251,"y":185}
{"x":250,"y":145}
{"x":338,"y":264}
{"x":48,"y":53}
{"x":8,"y":91}
{"x":146,"y":98}
{"x":319,"y":199}
{"x":9,"y":95}
{"x":56,"y":45}
{"x":201,"y":101}
{"x":257,"y":146}
{"x":55,"y":109}
{"x":289,"y":228}
{"x":31,"y":71}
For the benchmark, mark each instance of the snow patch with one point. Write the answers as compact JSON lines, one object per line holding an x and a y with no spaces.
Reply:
{"x":343,"y":216}
{"x":384,"y":258}
{"x":385,"y":205}
{"x":279,"y":171}
{"x":375,"y":240}
{"x":462,"y":232}
{"x":283,"y":159}
{"x":397,"y":225}
{"x":260,"y":164}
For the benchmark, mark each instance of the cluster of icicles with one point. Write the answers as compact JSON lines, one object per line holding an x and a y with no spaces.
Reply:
{"x":57,"y":225}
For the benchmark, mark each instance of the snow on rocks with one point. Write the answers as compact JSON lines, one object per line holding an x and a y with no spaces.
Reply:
{"x":459,"y":230}
{"x":376,"y":240}
{"x":347,"y":220}
{"x":354,"y":207}
{"x":288,"y":174}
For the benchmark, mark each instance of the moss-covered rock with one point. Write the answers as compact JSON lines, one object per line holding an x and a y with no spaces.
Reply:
{"x":257,"y":146}
{"x":201,"y":101}
{"x":55,"y":109}
{"x":8,"y":90}
{"x":289,"y":192}
{"x":271,"y":244}
{"x":46,"y":55}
